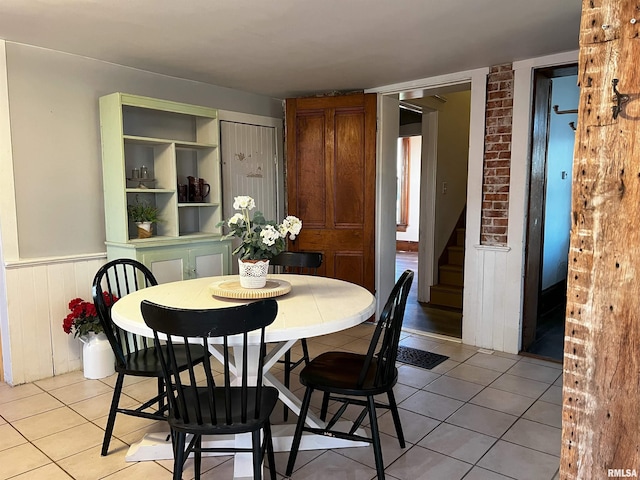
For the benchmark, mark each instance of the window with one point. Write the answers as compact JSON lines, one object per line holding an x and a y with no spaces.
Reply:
{"x":402,"y":169}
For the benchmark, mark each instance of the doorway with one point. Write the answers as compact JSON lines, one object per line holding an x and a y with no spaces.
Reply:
{"x":556,"y":96}
{"x":430,"y":232}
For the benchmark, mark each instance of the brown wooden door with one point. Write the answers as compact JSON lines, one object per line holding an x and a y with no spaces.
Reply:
{"x":330,"y":181}
{"x":533,"y":255}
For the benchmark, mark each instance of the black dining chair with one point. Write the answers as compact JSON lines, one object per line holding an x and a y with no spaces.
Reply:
{"x":202,"y":406}
{"x":134,"y":355}
{"x":301,"y":263}
{"x":348,"y":377}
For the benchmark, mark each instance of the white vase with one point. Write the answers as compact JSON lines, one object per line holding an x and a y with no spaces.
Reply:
{"x":253,"y":273}
{"x":98,"y":360}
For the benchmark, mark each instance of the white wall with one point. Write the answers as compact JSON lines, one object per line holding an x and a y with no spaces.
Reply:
{"x":453,"y":156}
{"x":51,"y":207}
{"x":56,"y":140}
{"x":557,"y":215}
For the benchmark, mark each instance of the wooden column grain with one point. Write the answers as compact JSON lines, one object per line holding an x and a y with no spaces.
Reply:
{"x":601,"y":391}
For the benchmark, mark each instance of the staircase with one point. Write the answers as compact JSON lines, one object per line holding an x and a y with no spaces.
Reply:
{"x":448,"y":291}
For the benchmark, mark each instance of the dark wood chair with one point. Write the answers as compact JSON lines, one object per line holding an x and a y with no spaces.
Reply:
{"x":302,"y":263}
{"x":134,"y":355}
{"x":348,"y":377}
{"x":202,"y":407}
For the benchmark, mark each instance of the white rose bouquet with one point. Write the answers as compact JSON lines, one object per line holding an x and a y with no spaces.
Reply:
{"x":260,"y":239}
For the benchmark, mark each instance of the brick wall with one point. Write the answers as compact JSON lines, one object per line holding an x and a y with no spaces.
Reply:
{"x":497,"y":156}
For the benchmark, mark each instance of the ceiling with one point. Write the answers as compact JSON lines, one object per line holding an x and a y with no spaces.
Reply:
{"x":287,"y":48}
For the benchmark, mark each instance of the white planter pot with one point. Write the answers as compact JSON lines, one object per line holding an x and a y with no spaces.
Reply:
{"x":253,"y":273}
{"x":98,"y":360}
{"x":145,"y":229}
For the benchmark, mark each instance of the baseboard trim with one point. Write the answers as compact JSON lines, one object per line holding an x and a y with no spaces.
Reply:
{"x":406,"y":246}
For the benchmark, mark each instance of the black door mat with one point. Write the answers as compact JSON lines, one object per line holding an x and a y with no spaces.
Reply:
{"x":419,"y":358}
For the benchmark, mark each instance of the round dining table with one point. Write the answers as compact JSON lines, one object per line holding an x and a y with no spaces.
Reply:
{"x":314,"y":306}
{"x":308,"y":306}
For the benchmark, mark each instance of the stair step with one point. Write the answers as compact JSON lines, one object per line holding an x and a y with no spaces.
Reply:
{"x":446,"y":296}
{"x":460,"y":233}
{"x":456,"y":255}
{"x":451,"y":275}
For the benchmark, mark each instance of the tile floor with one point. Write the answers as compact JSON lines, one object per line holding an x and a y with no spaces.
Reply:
{"x":477,"y":416}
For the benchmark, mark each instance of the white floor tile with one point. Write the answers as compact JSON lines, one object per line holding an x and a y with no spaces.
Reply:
{"x":503,"y":401}
{"x":535,"y":435}
{"x":483,"y":420}
{"x":520,"y":385}
{"x":534,"y":371}
{"x":423,"y":464}
{"x":471,"y":373}
{"x":431,"y":405}
{"x":454,"y":388}
{"x":519,"y":462}
{"x":457,"y":442}
{"x":492,"y":362}
{"x":451,"y":422}
{"x":545,"y":412}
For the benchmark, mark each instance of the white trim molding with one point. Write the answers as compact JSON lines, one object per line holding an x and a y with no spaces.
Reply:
{"x":33,"y":262}
{"x":431,"y":82}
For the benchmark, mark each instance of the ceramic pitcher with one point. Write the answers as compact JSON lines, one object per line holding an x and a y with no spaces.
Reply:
{"x":198,"y":189}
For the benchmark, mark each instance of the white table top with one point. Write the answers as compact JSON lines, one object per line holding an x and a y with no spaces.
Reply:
{"x":315,"y":306}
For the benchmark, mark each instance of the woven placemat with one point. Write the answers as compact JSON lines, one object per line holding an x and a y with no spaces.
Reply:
{"x":232,"y":289}
{"x":419,"y":358}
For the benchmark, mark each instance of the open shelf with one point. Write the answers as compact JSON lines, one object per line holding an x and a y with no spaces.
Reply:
{"x":150,"y":148}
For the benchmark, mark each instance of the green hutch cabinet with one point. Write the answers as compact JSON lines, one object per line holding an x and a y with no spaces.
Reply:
{"x":149,"y":148}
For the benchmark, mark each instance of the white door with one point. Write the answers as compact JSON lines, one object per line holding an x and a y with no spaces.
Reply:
{"x":249,"y":156}
{"x":249,"y":166}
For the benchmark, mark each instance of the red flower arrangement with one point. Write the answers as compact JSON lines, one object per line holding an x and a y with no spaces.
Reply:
{"x":83,"y":318}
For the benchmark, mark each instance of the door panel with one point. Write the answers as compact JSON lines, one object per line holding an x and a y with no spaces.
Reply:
{"x":542,"y":105}
{"x":350,"y":169}
{"x":331,"y":182}
{"x":248,"y":155}
{"x":311,"y":127}
{"x":349,"y":267}
{"x":206,"y":263}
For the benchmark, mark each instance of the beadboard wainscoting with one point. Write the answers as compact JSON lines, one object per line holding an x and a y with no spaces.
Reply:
{"x":39,"y":292}
{"x":492,"y":311}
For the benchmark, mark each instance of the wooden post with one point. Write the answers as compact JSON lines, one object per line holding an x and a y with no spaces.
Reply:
{"x":601,"y":393}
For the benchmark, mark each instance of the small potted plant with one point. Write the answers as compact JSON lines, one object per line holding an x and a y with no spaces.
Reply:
{"x":260,"y":240}
{"x":144,"y":214}
{"x":97,"y":355}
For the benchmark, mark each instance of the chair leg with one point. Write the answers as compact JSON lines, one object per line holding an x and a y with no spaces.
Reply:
{"x":178,"y":455}
{"x":295,"y":445}
{"x":287,"y":379}
{"x":396,"y":417}
{"x":375,"y":437}
{"x":270,"y":456}
{"x":325,"y":406}
{"x":111,"y":420}
{"x":197,"y":457}
{"x":257,"y":457}
{"x":160,"y":393}
{"x":305,"y":351}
